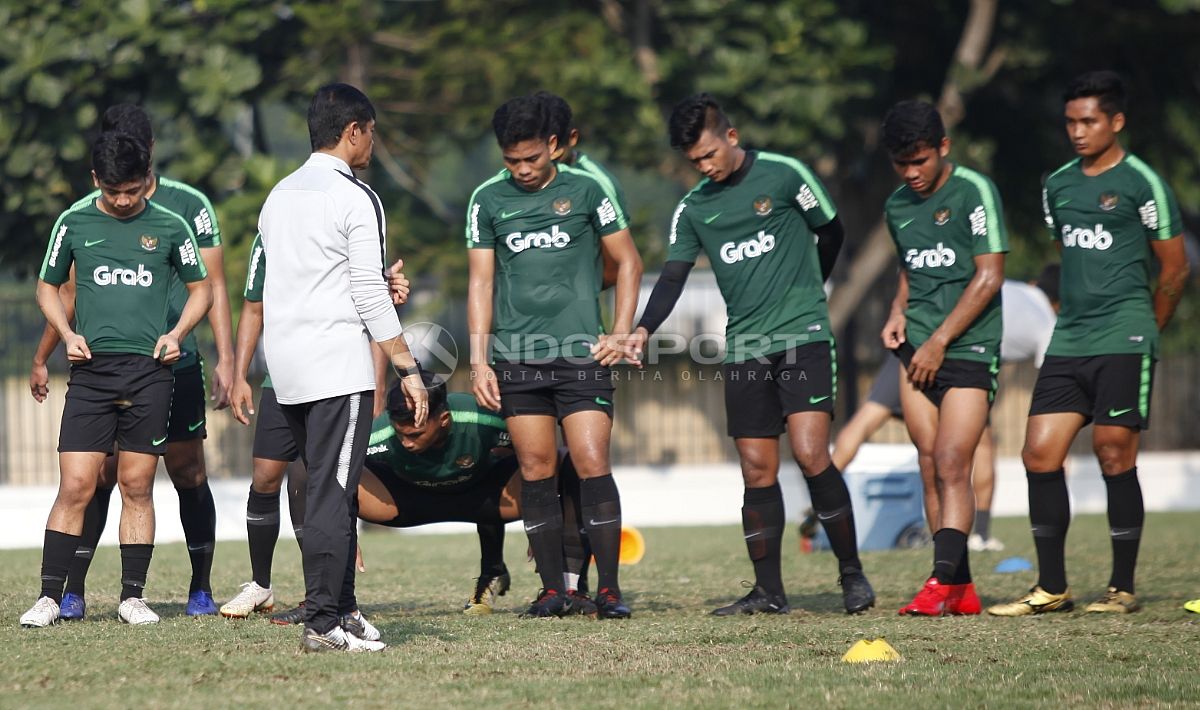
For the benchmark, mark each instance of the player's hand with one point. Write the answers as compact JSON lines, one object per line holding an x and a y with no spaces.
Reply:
{"x":398,"y":284}
{"x":893,"y":331}
{"x":379,"y":403}
{"x":418,"y":398}
{"x":359,"y":565}
{"x":222,"y":384}
{"x":615,"y":347}
{"x":925,"y":363}
{"x":39,"y":382}
{"x":166,"y":350}
{"x":77,"y":349}
{"x":241,"y":401}
{"x":484,"y":387}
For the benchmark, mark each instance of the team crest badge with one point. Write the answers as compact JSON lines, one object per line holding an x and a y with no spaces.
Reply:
{"x":1108,"y":201}
{"x":942,"y":216}
{"x":762,"y":205}
{"x":562,"y":206}
{"x":149,"y":243}
{"x":465,"y":461}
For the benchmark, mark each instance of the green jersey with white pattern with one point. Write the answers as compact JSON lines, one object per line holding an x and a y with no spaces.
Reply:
{"x":937,"y":239}
{"x":256,"y":276}
{"x":757,"y":229}
{"x":1105,"y":224}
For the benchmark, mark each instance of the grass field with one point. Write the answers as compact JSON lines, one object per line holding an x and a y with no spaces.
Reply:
{"x":671,"y":654}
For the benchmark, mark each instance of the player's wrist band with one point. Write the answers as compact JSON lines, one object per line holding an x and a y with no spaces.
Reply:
{"x":410,"y":371}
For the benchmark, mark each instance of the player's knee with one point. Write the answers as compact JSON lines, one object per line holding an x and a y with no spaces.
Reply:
{"x":1113,"y":457}
{"x":187,"y":474}
{"x":539,"y":469}
{"x":266,"y":481}
{"x":75,"y":494}
{"x":812,"y":459}
{"x":952,"y":464}
{"x":137,"y":490}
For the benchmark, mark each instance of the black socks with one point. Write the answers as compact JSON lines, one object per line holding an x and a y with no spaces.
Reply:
{"x":94,"y":518}
{"x":831,"y":502}
{"x":1049,"y":518}
{"x":135,"y":563}
{"x":543,"y":521}
{"x":198,"y":513}
{"x":600,"y":503}
{"x":262,"y":531}
{"x":57,"y":552}
{"x":762,"y":526}
{"x":950,"y":564}
{"x":1126,"y":515}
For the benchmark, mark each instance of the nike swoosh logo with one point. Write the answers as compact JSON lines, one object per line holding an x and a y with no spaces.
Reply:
{"x":603,"y":402}
{"x":814,"y":400}
{"x":90,"y":243}
{"x":753,"y":534}
{"x":710,"y":219}
{"x":907,"y":222}
{"x":1119,"y":412}
{"x":531,"y":528}
{"x":506,"y":215}
{"x":197,"y":425}
{"x":254,"y":519}
{"x":1062,"y":203}
{"x":823,"y":516}
{"x":602,"y":522}
{"x":156,"y":442}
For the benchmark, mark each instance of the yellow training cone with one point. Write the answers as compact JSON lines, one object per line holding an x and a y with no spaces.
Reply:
{"x":867,"y":651}
{"x":633,"y":546}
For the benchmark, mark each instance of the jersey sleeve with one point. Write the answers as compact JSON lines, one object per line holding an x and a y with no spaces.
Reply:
{"x":985,"y":214}
{"x":607,"y":215}
{"x":256,"y":272}
{"x":805,"y":190}
{"x":203,"y":220}
{"x":481,"y":233}
{"x":1158,"y":210}
{"x":185,"y":254}
{"x":56,"y":266}
{"x":1051,"y":222}
{"x":683,"y":244}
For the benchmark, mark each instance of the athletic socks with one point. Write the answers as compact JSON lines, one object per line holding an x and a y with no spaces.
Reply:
{"x":135,"y":564}
{"x":94,"y":518}
{"x":983,"y":523}
{"x":1125,"y":517}
{"x":949,"y":551}
{"x":762,"y":526}
{"x":543,"y":520}
{"x":491,"y":549}
{"x":600,"y":503}
{"x":262,"y":531}
{"x":577,"y":550}
{"x":58,"y":549}
{"x":962,"y":571}
{"x":1049,"y":518}
{"x":198,"y":513}
{"x":831,"y":502}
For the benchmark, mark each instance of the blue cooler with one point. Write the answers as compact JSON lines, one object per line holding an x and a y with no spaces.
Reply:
{"x":886,"y":491}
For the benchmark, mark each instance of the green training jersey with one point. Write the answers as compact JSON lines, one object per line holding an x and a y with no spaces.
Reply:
{"x":1104,"y":224}
{"x":123,"y":270}
{"x":610,"y":184}
{"x":465,"y":457}
{"x":757,"y":229}
{"x":938,"y":238}
{"x":256,"y":276}
{"x":546,"y":244}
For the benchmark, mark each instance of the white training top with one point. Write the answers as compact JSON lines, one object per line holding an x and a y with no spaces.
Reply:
{"x":323,"y":232}
{"x":1028,"y":322}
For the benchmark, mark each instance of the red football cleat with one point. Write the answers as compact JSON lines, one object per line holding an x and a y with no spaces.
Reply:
{"x":962,"y":599}
{"x":930,"y":601}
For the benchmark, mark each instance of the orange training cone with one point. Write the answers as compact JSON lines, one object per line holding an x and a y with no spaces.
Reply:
{"x":633,"y":546}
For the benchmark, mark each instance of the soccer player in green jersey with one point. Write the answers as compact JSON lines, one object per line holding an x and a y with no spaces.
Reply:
{"x":1111,"y":217}
{"x":539,"y":352}
{"x":186,"y":429}
{"x":945,"y":325}
{"x":125,"y":251}
{"x":772,"y":235}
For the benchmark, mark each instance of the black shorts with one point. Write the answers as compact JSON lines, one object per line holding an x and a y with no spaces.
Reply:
{"x":557,"y":388}
{"x":420,"y":505}
{"x":1111,"y":390}
{"x":273,"y":438}
{"x":188,"y":409}
{"x":117,"y":397}
{"x":885,"y":390}
{"x":761,"y":393}
{"x":955,"y":372}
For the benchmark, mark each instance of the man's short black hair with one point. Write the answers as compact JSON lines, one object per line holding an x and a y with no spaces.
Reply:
{"x":521,"y":119}
{"x":334,"y":107}
{"x":559,"y":115}
{"x":118,"y":158}
{"x":910,"y":126}
{"x":128,"y":118}
{"x":1048,"y":281}
{"x":1106,"y":86}
{"x":692,"y":116}
{"x":397,"y":405}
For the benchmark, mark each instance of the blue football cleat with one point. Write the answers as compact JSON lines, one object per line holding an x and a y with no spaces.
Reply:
{"x":200,"y":603}
{"x":73,"y":607}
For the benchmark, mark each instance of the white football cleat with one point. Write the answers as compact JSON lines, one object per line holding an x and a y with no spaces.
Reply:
{"x":252,"y":598}
{"x":44,"y":613}
{"x":133,"y":611}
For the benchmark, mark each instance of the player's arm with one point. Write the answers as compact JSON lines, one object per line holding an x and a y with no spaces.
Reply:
{"x":56,"y":315}
{"x":989,"y":276}
{"x":249,"y":330}
{"x":1172,"y":277}
{"x":221,"y":321}
{"x":829,"y":243}
{"x":192,"y":272}
{"x":380,"y":360}
{"x":481,"y":282}
{"x":615,"y":347}
{"x":663,"y":298}
{"x":893,"y":334}
{"x":39,"y":374}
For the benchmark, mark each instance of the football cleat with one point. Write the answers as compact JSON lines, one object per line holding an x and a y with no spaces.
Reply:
{"x":582,"y":604}
{"x":857,"y":594}
{"x":252,"y":598}
{"x":295,"y":615}
{"x":483,"y":600}
{"x":758,"y":601}
{"x":962,"y":600}
{"x":975,"y":543}
{"x":549,"y":602}
{"x":73,"y":607}
{"x":930,"y":601}
{"x":133,"y":611}
{"x":1115,"y":601}
{"x":610,"y":606}
{"x":200,"y":603}
{"x":1037,"y":601}
{"x":356,"y":624}
{"x":43,"y":613}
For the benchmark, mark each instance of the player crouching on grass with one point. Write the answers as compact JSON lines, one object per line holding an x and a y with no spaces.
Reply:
{"x":125,"y":250}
